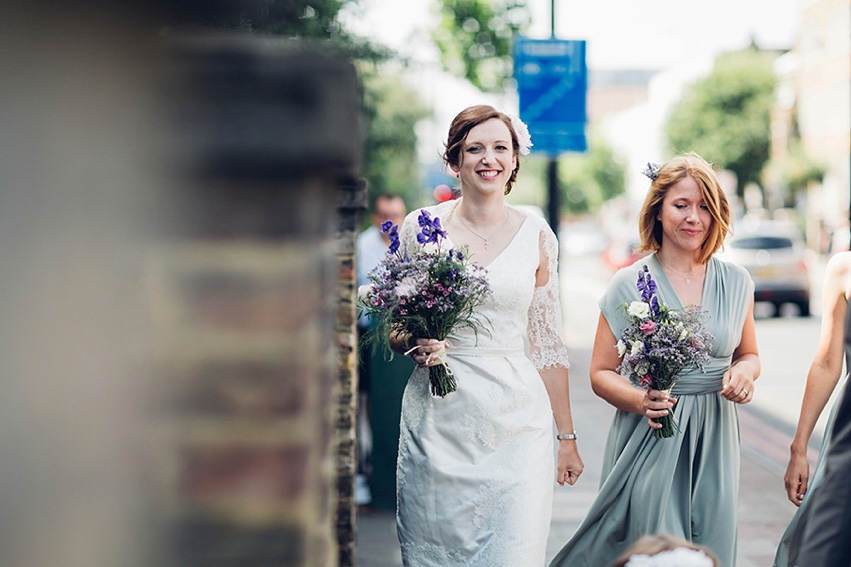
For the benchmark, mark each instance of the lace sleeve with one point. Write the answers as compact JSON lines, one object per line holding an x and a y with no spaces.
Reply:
{"x":546,"y":346}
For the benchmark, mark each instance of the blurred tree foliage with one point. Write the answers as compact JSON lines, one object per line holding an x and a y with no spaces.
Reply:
{"x":392,"y":112}
{"x":726,"y":116}
{"x":793,"y":171}
{"x":588,"y":180}
{"x":474,"y":39}
{"x":289,"y":18}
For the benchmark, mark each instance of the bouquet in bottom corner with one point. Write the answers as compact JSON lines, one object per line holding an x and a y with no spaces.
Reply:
{"x":427,"y":292}
{"x":659,"y":343}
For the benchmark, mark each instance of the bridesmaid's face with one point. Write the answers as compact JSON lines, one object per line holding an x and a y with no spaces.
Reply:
{"x":685,"y":218}
{"x":487,"y":157}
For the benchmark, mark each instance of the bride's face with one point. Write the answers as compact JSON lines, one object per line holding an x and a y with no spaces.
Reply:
{"x":487,"y":158}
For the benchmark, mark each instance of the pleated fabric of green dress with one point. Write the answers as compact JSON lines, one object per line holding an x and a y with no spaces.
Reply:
{"x":793,"y":537}
{"x":686,"y":485}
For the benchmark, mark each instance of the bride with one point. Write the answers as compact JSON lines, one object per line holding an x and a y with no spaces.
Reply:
{"x":475,"y":470}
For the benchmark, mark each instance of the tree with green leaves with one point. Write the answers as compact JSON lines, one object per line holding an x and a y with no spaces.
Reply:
{"x":390,"y":150}
{"x":475,"y":38}
{"x":726,"y":117}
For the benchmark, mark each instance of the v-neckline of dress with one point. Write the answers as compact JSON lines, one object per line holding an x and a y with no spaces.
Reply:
{"x":669,"y":287}
{"x":507,"y":246}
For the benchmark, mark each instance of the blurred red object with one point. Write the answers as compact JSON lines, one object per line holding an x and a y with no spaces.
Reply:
{"x":442,"y":193}
{"x":622,"y":252}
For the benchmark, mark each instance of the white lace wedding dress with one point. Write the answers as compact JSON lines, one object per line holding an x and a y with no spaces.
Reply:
{"x":475,"y":474}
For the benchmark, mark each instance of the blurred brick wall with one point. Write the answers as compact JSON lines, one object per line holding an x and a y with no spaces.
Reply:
{"x":172,"y":213}
{"x":352,"y":201}
{"x":253,"y":315}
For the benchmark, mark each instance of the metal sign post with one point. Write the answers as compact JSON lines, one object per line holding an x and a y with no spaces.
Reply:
{"x":552,"y":81}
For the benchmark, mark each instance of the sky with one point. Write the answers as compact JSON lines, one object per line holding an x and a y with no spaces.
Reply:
{"x":620,"y":34}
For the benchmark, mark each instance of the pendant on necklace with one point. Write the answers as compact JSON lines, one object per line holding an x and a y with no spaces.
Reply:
{"x":688,"y":281}
{"x":486,"y":245}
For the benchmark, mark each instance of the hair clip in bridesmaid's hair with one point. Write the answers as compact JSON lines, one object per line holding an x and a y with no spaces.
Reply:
{"x":652,"y":171}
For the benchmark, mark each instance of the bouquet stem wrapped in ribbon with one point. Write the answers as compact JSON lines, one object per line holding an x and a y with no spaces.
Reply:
{"x":427,"y":292}
{"x":659,"y":343}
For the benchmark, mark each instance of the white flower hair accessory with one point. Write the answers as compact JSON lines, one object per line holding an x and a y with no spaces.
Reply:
{"x":524,"y":139}
{"x":679,"y":557}
{"x":651,"y":171}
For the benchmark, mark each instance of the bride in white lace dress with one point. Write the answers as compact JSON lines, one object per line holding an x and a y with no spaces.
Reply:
{"x":475,"y":470}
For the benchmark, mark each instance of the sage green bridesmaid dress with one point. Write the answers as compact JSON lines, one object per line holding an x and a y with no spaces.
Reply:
{"x":686,"y":485}
{"x":790,"y":543}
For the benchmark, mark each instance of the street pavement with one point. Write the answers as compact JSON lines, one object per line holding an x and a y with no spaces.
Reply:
{"x":766,"y":430}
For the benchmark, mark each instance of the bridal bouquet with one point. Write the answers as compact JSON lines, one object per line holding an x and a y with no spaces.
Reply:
{"x":428,"y":293}
{"x":659,"y":343}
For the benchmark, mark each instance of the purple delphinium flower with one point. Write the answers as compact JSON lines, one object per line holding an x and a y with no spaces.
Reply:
{"x":393,"y":235}
{"x":648,"y":289}
{"x":430,"y":229}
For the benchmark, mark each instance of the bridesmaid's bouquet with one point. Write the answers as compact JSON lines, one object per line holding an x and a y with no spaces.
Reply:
{"x":659,"y":343}
{"x":428,"y":292}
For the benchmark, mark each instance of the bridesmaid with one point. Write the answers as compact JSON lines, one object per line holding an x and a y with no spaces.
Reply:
{"x":834,"y":346}
{"x":687,"y":485}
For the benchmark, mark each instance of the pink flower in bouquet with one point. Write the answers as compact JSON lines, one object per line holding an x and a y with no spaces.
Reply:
{"x":648,"y":327}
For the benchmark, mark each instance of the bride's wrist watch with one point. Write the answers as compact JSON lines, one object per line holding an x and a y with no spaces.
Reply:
{"x":566,"y":436}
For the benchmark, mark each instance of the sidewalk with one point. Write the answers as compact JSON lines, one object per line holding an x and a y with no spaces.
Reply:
{"x":763,"y":508}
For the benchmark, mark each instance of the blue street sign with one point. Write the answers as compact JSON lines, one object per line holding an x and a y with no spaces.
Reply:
{"x":552,"y":81}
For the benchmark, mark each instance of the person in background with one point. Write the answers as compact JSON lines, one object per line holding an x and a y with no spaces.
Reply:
{"x":819,"y":532}
{"x":377,"y":431}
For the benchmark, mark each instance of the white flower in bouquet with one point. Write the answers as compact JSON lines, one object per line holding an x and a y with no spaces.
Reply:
{"x":364,"y":291}
{"x":407,"y":287}
{"x":637,"y":347}
{"x":639,"y":309}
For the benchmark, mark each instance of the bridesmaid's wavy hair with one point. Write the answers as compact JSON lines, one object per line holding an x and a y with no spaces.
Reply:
{"x":674,"y":170}
{"x":468,"y":119}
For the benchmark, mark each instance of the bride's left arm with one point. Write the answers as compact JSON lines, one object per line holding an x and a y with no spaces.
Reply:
{"x":570,"y":464}
{"x":550,"y":355}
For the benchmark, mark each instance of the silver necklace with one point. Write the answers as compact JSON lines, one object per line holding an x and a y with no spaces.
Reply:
{"x":474,"y":233}
{"x":687,"y":278}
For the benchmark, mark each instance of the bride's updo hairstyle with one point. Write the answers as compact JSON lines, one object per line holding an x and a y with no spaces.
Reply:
{"x":468,"y":119}
{"x":671,"y":172}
